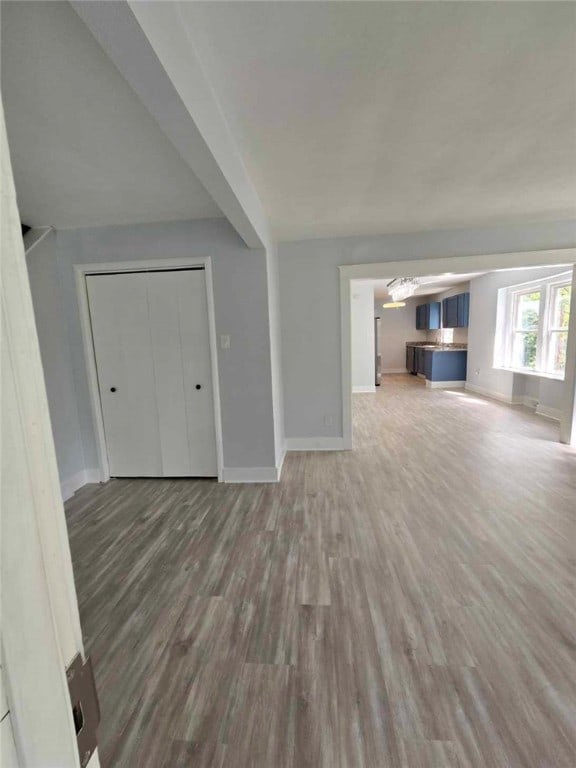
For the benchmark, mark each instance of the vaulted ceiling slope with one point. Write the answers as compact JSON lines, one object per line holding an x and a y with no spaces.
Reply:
{"x":365,"y":118}
{"x":85,"y":151}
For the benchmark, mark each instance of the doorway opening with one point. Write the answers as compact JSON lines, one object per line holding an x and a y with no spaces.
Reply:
{"x":455,"y":325}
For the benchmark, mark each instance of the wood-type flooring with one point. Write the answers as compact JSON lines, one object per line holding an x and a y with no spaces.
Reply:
{"x":407,"y":604}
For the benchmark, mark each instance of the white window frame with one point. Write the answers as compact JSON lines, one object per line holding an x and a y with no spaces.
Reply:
{"x":550,"y":329}
{"x":508,"y":301}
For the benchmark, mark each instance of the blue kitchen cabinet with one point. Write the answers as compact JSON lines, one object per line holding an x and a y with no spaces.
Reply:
{"x":433,"y":315}
{"x":428,"y":363}
{"x":445,"y":365}
{"x":411,"y":360}
{"x":422,"y":317}
{"x":428,"y":316}
{"x":455,"y":311}
{"x":420,"y":359}
{"x":463,"y":309}
{"x":450,"y":312}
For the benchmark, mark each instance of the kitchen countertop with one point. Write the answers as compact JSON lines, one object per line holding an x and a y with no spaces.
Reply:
{"x":438,"y":347}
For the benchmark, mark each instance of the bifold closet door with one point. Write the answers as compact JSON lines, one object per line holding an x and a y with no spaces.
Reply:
{"x":180,"y":337}
{"x":151,"y":341}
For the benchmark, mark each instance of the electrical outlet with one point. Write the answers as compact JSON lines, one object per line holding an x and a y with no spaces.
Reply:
{"x":328,"y":420}
{"x":225,"y":341}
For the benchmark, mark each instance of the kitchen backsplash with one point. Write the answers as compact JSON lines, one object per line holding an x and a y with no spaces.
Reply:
{"x":448,"y":336}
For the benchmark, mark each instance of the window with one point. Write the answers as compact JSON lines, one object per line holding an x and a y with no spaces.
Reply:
{"x":558,"y":328}
{"x":533,"y":326}
{"x":525,"y":329}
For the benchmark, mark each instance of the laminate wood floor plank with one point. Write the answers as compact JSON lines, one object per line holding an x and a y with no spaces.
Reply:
{"x":407,"y":604}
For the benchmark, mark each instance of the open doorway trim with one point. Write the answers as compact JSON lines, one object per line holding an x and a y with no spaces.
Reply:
{"x":80,"y":273}
{"x":455,"y":264}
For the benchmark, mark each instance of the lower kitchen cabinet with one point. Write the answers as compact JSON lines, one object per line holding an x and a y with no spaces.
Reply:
{"x":445,"y":365}
{"x":428,"y":358}
{"x":411,"y":359}
{"x":420,"y":359}
{"x":437,"y":364}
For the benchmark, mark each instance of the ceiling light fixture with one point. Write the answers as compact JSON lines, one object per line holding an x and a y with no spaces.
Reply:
{"x":393,"y":304}
{"x":402,"y":287}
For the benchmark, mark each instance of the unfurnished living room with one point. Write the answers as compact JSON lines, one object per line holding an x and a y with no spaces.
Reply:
{"x":288,"y":384}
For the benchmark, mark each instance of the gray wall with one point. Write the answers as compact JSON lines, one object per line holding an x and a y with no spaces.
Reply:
{"x":547,"y":394}
{"x":256,"y":382}
{"x":397,"y":326}
{"x":310,"y":304}
{"x":45,"y":285}
{"x":481,"y":337}
{"x":241,"y":305}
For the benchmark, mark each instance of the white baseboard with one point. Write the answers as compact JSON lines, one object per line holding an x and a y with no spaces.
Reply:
{"x":444,"y":384}
{"x":492,"y":394}
{"x":394,"y":370}
{"x":363,"y":390}
{"x":280,"y":464}
{"x":229,"y":475}
{"x":93,"y":476}
{"x":251,"y":474}
{"x":69,"y":487}
{"x":317,"y":444}
{"x":530,"y":402}
{"x":548,"y":412}
{"x":526,"y":400}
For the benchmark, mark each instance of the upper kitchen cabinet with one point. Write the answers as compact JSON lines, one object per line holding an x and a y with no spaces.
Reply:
{"x":419,"y":317}
{"x":463,"y":309}
{"x":428,"y":316}
{"x":455,"y":311}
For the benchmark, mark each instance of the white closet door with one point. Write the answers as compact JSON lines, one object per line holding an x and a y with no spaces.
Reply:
{"x":181,"y":350}
{"x":123,"y":347}
{"x":151,"y":342}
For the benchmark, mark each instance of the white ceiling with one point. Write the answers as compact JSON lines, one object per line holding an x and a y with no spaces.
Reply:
{"x":428,"y":285}
{"x":364,"y":118}
{"x":84,"y":150}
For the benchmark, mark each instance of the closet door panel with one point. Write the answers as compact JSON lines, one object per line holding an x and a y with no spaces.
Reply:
{"x":151,"y":341}
{"x":123,"y":349}
{"x":190,"y":290}
{"x":166,"y":335}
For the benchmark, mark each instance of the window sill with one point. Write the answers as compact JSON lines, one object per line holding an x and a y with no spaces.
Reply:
{"x":524,"y":372}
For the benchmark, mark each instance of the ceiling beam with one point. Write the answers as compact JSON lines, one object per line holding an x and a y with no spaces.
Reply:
{"x":149,"y":45}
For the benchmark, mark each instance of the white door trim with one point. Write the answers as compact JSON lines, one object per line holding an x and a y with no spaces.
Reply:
{"x":149,"y":265}
{"x":41,"y":630}
{"x":455,"y":264}
{"x":567,"y":413}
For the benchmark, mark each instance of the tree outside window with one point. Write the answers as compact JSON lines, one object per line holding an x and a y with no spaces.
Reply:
{"x":525,"y":343}
{"x":533,"y":329}
{"x":558,"y":330}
